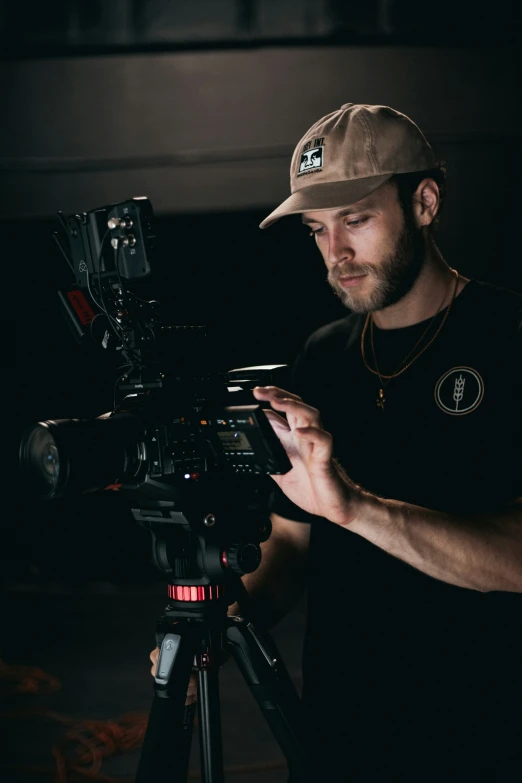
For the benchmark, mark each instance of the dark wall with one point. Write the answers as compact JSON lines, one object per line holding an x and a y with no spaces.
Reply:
{"x":214,"y":130}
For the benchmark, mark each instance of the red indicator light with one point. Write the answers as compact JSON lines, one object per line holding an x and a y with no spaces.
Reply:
{"x":194,"y":475}
{"x":203,"y":422}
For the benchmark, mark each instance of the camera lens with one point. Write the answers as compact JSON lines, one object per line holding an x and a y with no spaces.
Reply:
{"x":41,"y":461}
{"x":63,"y":457}
{"x":50,"y":461}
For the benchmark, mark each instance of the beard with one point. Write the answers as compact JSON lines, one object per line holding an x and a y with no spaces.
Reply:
{"x":393,"y":278}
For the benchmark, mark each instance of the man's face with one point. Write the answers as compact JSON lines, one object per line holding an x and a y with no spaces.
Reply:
{"x":372,"y":252}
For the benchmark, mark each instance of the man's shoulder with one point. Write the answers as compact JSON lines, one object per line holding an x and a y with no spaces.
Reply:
{"x":337,"y":335}
{"x":500,"y":298}
{"x":495,"y":313}
{"x":322,"y":351}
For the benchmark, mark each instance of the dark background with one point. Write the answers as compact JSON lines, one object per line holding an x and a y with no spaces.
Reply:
{"x":198,"y":105}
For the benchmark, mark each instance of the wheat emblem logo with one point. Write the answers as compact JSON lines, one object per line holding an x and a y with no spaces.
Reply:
{"x":459,"y":391}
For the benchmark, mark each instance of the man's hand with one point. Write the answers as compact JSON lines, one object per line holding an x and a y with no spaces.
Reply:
{"x":192,"y":691}
{"x":316,"y":483}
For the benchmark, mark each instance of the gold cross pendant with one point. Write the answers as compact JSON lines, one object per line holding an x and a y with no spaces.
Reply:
{"x":380,"y":401}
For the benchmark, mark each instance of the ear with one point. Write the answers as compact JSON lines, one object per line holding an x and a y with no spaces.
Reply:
{"x":426,"y":202}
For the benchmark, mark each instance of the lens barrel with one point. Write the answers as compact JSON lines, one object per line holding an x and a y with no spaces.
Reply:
{"x":69,"y":456}
{"x":40,"y":461}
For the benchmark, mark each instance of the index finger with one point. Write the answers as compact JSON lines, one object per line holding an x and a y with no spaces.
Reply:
{"x":274,"y":392}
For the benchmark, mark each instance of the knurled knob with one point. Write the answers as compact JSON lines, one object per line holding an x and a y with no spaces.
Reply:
{"x":243,"y":558}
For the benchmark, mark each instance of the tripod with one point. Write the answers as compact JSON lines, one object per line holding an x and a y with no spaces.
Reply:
{"x":196,"y":632}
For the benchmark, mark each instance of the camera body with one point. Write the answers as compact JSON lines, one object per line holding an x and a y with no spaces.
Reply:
{"x":158,"y":441}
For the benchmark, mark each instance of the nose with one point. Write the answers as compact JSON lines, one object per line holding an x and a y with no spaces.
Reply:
{"x":339,"y":248}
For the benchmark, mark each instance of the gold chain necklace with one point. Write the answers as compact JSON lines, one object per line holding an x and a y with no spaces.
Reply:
{"x":380,"y":399}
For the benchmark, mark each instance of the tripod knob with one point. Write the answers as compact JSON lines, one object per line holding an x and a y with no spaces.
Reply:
{"x":242,"y":558}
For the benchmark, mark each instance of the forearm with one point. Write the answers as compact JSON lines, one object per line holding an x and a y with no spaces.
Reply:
{"x":481,"y":551}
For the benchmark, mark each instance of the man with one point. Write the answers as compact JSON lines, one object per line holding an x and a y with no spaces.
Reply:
{"x":402,"y":514}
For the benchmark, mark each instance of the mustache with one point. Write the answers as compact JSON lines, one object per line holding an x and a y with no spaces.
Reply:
{"x":335,"y":274}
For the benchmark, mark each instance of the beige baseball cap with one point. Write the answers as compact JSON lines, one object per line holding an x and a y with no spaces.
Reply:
{"x":348,"y":154}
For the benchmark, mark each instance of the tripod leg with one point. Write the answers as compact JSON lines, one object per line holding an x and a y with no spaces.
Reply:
{"x":210,"y":727}
{"x":166,"y":747}
{"x":261,"y":665}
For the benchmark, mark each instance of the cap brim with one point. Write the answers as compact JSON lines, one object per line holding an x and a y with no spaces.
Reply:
{"x":326,"y":195}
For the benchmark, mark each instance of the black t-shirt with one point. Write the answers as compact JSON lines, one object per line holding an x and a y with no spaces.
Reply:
{"x":406,"y":677}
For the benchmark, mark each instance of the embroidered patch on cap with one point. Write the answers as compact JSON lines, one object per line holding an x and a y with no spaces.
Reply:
{"x":459,"y":391}
{"x":311,"y":157}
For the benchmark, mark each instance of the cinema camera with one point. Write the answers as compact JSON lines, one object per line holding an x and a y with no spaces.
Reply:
{"x":192,"y":451}
{"x":177,"y":420}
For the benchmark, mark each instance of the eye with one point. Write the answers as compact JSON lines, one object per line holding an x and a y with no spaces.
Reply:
{"x":357,"y":222}
{"x":316,"y":231}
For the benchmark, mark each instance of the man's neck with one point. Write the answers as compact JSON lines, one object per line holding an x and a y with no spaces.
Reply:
{"x":431,"y":292}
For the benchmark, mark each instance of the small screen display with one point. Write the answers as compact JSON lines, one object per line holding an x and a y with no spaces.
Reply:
{"x":234,"y":441}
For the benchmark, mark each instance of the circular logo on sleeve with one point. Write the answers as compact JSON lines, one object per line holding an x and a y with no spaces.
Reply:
{"x":459,"y":391}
